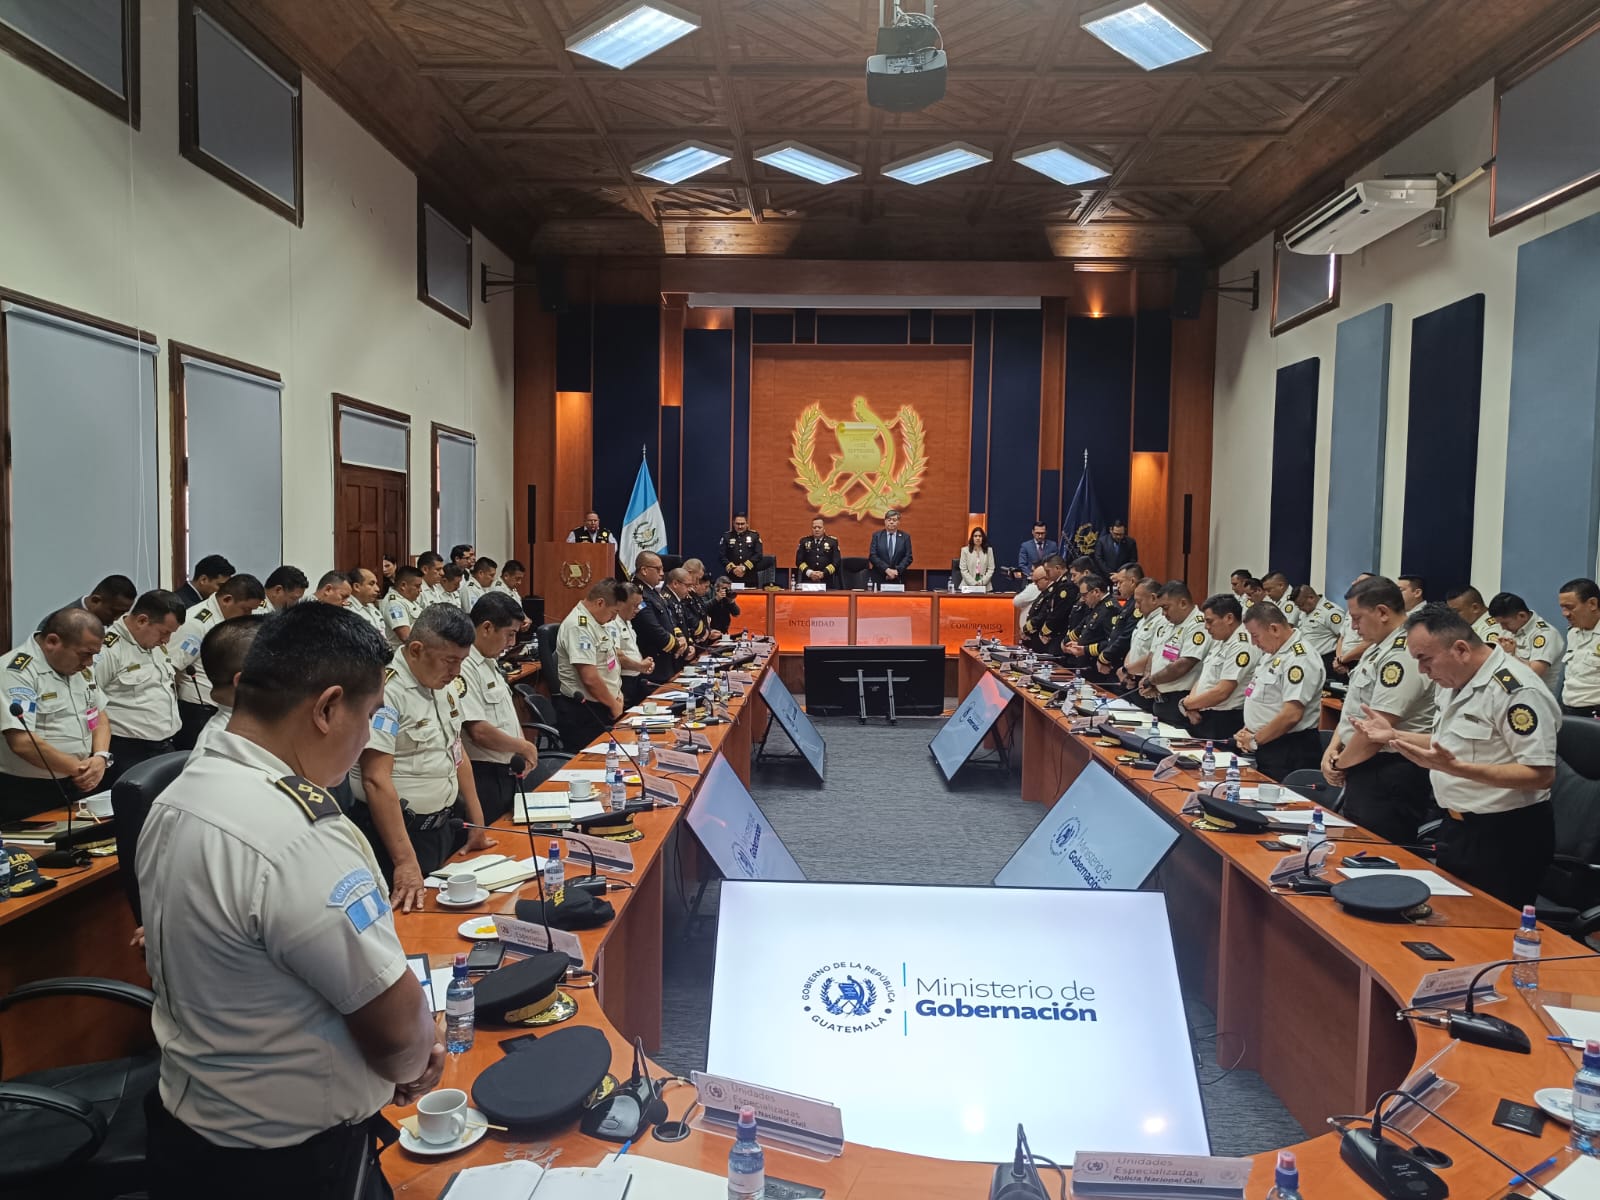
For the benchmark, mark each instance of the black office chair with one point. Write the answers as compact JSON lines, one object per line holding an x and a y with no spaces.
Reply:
{"x":1569,"y":895}
{"x":77,"y":1131}
{"x":767,"y":571}
{"x":545,"y":639}
{"x":131,"y":798}
{"x":669,"y":561}
{"x":545,"y":735}
{"x":854,"y":572}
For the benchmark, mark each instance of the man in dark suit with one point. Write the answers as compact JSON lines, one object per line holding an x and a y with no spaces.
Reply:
{"x":889,"y":553}
{"x":1035,"y":550}
{"x":210,"y":573}
{"x":1115,"y":549}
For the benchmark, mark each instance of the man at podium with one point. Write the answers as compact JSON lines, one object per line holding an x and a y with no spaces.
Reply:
{"x":590,"y":530}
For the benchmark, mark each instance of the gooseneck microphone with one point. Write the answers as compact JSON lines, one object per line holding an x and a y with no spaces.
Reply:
{"x":53,"y":858}
{"x":1020,"y":1180}
{"x":1469,"y":1026}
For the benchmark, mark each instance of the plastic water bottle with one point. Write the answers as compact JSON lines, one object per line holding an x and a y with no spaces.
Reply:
{"x":1232,"y":779}
{"x":1286,"y":1179}
{"x":555,"y":875}
{"x":617,"y":799}
{"x":1316,"y":836}
{"x":613,"y":759}
{"x":1525,"y":949}
{"x":1208,"y":763}
{"x":5,"y":872}
{"x":747,"y":1161}
{"x":646,"y":754}
{"x":459,"y":1009}
{"x":1586,"y":1103}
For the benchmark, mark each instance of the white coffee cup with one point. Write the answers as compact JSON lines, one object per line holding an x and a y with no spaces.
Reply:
{"x":579,"y":789}
{"x":1269,"y":793}
{"x":98,"y":806}
{"x":442,"y":1116}
{"x":461,"y":887}
{"x":651,"y":708}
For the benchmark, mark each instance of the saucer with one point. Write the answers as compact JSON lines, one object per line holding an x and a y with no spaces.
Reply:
{"x":477,"y":897}
{"x":469,"y":1137}
{"x":1557,"y":1102}
{"x":478,"y":929}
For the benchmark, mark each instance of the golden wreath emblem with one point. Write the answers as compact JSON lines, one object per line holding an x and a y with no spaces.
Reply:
{"x":575,"y":574}
{"x":869,"y":474}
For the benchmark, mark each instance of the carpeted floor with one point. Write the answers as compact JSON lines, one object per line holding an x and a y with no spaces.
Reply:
{"x":891,"y":769}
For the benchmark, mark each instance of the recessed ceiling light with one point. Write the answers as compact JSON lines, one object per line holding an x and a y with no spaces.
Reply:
{"x":937,"y":163}
{"x":799,"y":159}
{"x":1062,"y":163}
{"x":1145,"y":32}
{"x":683,"y":161}
{"x":634,"y":31}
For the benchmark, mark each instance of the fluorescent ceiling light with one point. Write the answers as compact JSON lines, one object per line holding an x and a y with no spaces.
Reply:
{"x":625,"y":35}
{"x":937,"y":163}
{"x":799,"y":159}
{"x":1145,"y":32}
{"x":1062,"y":163}
{"x":683,"y":161}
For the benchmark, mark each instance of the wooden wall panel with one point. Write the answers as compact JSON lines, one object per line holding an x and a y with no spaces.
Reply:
{"x":1147,"y":514}
{"x":533,"y":419}
{"x":1053,"y":385}
{"x":574,"y":442}
{"x":1194,"y":361}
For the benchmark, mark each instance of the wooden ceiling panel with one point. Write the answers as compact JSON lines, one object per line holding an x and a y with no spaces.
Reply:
{"x":537,"y":144}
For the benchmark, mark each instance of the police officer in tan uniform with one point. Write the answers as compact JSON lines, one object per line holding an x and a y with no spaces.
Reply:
{"x":414,"y":776}
{"x":1523,"y":633}
{"x":1283,"y":703}
{"x":1491,"y":756}
{"x":48,"y":678}
{"x":588,"y":675}
{"x":1468,"y":603}
{"x":493,"y":730}
{"x":1175,"y":667}
{"x":1580,"y":664}
{"x":1383,"y":790}
{"x":402,"y":606}
{"x":135,"y":675}
{"x":239,"y":596}
{"x":284,"y":1012}
{"x":1214,"y":707}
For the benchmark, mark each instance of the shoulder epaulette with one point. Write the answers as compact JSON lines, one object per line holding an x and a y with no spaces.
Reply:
{"x":20,"y":661}
{"x":112,"y":638}
{"x":1299,"y":648}
{"x":1399,"y":643}
{"x":1507,"y":680}
{"x":87,"y":673}
{"x":389,"y":674}
{"x":582,"y":619}
{"x":313,"y":801}
{"x":203,"y":615}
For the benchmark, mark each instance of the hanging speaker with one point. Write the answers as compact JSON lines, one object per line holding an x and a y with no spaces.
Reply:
{"x":1188,"y":290}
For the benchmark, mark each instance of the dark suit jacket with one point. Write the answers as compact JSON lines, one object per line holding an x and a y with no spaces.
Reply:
{"x":188,"y":595}
{"x":878,"y":556}
{"x":1114,"y":558}
{"x":1028,"y":556}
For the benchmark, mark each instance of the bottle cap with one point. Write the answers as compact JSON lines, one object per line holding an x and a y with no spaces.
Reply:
{"x":1287,"y":1174}
{"x":1591,"y":1055}
{"x":747,"y":1119}
{"x":554,"y":851}
{"x":460,"y":965}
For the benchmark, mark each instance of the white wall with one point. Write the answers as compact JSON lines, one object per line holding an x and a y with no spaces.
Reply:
{"x":115,"y":223}
{"x":1416,"y":280}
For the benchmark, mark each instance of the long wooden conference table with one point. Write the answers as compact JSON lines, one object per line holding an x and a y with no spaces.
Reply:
{"x":1304,"y":993}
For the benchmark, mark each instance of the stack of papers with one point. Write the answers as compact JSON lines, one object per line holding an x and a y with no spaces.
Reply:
{"x":494,"y":871}
{"x":1302,"y":816}
{"x":550,"y":808}
{"x":520,"y":1178}
{"x":1575,"y":1022}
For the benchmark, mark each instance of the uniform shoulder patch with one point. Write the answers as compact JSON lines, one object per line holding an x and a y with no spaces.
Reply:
{"x":1538,"y":641}
{"x":1336,"y":618}
{"x":1391,"y":675}
{"x":112,"y":638}
{"x":1242,"y":659}
{"x":19,"y":661}
{"x":1509,"y":681}
{"x":1522,"y":719}
{"x":313,"y":801}
{"x":203,"y":615}
{"x":1199,"y":638}
{"x":460,"y":686}
{"x":1296,"y":674}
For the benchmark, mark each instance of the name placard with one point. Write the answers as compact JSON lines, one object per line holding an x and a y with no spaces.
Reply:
{"x":608,"y":855}
{"x":677,"y":762}
{"x":1448,"y":988}
{"x":811,"y":1126}
{"x":1096,"y":1173}
{"x":530,"y":939}
{"x":658,"y":790}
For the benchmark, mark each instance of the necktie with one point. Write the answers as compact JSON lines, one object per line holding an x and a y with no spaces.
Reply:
{"x":892,"y":536}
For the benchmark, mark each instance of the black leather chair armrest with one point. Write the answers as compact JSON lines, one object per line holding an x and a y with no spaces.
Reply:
{"x":81,"y":985}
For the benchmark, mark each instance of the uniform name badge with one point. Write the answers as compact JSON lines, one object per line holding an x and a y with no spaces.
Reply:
{"x":91,"y":717}
{"x":1169,"y":652}
{"x":455,"y":752}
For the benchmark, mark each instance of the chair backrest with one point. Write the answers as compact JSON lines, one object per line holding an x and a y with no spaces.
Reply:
{"x":671,"y":562}
{"x":540,"y":705}
{"x":853,"y":572}
{"x":131,"y":798}
{"x":1578,"y":745}
{"x":547,"y":655}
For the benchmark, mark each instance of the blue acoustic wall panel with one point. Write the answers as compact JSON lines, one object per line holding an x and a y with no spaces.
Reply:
{"x":667,"y":486}
{"x":863,"y":329}
{"x":627,"y":396}
{"x":1554,"y":441}
{"x":1355,"y":467}
{"x":741,"y":411}
{"x":952,"y":329}
{"x":1099,"y":410}
{"x":1294,"y":450}
{"x":1152,"y":383}
{"x":773,"y":329}
{"x":921,"y":326}
{"x":707,"y":439}
{"x":1017,"y":364}
{"x":978,"y":443}
{"x":573,"y":351}
{"x":1442,"y":444}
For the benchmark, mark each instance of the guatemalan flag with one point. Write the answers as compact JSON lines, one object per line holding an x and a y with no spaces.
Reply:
{"x":643,"y":528}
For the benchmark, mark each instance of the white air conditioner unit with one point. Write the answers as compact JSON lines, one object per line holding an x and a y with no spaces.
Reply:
{"x":1360,"y":215}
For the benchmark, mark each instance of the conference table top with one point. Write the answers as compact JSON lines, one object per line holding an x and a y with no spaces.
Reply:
{"x":1472,"y":929}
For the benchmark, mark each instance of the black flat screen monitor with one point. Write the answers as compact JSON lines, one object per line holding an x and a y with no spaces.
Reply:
{"x":836,"y":675}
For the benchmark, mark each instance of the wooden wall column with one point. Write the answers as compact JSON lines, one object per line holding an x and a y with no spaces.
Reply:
{"x":1194,"y":365}
{"x":533,"y":428}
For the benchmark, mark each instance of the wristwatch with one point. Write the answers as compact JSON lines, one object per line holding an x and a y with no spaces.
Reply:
{"x":105,"y":754}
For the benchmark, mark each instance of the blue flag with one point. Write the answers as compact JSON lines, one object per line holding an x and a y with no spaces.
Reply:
{"x":1081,"y":528}
{"x":643,"y":528}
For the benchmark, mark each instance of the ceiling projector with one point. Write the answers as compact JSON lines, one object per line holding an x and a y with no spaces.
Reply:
{"x":909,"y":70}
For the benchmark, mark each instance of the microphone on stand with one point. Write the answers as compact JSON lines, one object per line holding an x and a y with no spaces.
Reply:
{"x":1469,"y":1026}
{"x":1019,"y":1181}
{"x":60,"y":857}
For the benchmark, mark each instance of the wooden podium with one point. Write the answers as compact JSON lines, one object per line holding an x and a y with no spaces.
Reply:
{"x":563,"y":572}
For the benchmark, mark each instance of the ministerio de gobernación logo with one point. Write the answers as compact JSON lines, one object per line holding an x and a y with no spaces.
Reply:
{"x":848,"y":997}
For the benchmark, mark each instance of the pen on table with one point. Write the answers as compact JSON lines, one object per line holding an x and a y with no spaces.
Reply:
{"x":626,"y":1185}
{"x":1528,"y":1175}
{"x":1568,"y":1041}
{"x":625,"y":1146}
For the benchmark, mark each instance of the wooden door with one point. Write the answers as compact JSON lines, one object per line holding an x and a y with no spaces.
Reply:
{"x":370,"y":518}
